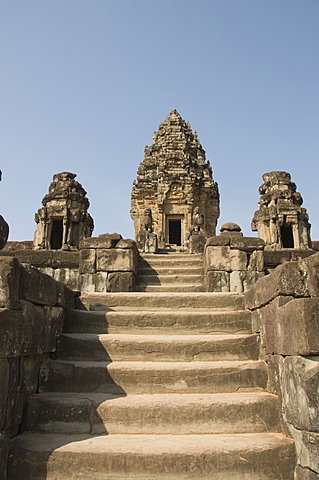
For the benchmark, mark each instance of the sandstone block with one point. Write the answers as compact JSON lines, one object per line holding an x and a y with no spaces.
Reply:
{"x":300,"y":380}
{"x":218,"y":241}
{"x":65,"y":296}
{"x":217,"y":281}
{"x":307,"y":447}
{"x":247,"y":244}
{"x":87,"y":262}
{"x":120,"y":282}
{"x":36,"y":258}
{"x":86,"y":283}
{"x":31,"y":368}
{"x":286,"y":280}
{"x":256,"y":261}
{"x":37,"y":287}
{"x":4,"y":448}
{"x":100,"y":281}
{"x":16,"y":396}
{"x":68,"y":276}
{"x":309,"y":268}
{"x":116,"y":260}
{"x":4,"y":375}
{"x":224,"y":259}
{"x":197,"y":243}
{"x":64,"y":259}
{"x":97,"y":242}
{"x":9,"y":282}
{"x":53,"y":324}
{"x":305,"y":474}
{"x":21,"y":330}
{"x":4,"y":232}
{"x":297,"y":327}
{"x":126,"y":243}
{"x":236,"y":281}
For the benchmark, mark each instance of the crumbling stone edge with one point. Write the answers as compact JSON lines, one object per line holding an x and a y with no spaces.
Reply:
{"x":32,"y":312}
{"x":285,"y":311}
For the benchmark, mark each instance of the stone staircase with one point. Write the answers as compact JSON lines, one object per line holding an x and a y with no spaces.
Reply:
{"x":154,"y":385}
{"x":170,"y":272}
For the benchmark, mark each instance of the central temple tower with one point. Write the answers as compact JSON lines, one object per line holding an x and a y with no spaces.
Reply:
{"x":174,"y":186}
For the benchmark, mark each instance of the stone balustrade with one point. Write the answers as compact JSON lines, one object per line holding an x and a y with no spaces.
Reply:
{"x":285,"y":307}
{"x":32,"y":310}
{"x":108,"y":263}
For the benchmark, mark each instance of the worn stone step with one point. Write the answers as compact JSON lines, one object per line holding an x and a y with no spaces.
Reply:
{"x":171,"y":271}
{"x":159,"y":414}
{"x":140,"y":300}
{"x":264,"y":456}
{"x":193,"y":321}
{"x":170,"y":287}
{"x":153,"y":377}
{"x":170,"y":279}
{"x":128,"y":347}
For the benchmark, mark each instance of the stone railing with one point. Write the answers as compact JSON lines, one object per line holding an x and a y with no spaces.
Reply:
{"x":62,"y":265}
{"x":285,"y":308}
{"x":32,"y":310}
{"x":233,"y":263}
{"x":108,"y":263}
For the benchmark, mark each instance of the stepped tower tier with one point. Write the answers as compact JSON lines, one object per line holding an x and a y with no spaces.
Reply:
{"x":281,"y":221}
{"x":173,"y":180}
{"x":63,"y":221}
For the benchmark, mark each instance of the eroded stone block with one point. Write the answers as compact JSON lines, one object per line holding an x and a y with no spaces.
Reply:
{"x":217,"y":281}
{"x":4,"y":376}
{"x":120,"y":282}
{"x":53,"y":324}
{"x":305,"y":474}
{"x":224,"y":259}
{"x":9,"y":282}
{"x":116,"y":260}
{"x":300,"y":380}
{"x":286,"y":280}
{"x":37,"y":287}
{"x":307,"y":448}
{"x":87,"y":260}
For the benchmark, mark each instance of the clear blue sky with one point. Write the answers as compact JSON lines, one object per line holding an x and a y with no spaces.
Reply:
{"x":84,"y":83}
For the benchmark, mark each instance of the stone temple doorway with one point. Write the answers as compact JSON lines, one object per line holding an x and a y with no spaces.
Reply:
{"x":174,"y":229}
{"x":175,"y":232}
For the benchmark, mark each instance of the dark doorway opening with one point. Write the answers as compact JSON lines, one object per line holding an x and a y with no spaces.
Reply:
{"x":56,"y":235}
{"x":175,"y":232}
{"x":287,"y":237}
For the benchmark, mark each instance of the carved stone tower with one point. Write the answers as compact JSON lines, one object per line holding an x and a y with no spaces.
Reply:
{"x":63,"y":220}
{"x":173,"y":180}
{"x":280,"y":220}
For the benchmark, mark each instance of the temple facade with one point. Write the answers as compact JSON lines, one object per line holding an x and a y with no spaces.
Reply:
{"x":63,"y":221}
{"x":281,"y":221}
{"x":174,"y":194}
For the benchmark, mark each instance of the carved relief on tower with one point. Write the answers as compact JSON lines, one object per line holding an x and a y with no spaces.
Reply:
{"x":172,"y":180}
{"x":281,"y":221}
{"x":63,"y":221}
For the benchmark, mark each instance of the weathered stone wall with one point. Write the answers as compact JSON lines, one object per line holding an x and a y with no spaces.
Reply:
{"x":32,"y":308}
{"x":285,"y":306}
{"x":108,"y":263}
{"x":233,"y":263}
{"x":63,"y":266}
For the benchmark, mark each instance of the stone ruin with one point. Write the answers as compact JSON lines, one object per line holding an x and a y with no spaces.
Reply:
{"x":175,"y":194}
{"x":63,"y":221}
{"x":281,"y":221}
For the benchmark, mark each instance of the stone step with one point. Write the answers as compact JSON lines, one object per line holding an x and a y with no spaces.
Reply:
{"x":159,"y":414}
{"x":171,"y":271}
{"x":128,"y":347}
{"x":263,"y":456}
{"x":170,"y":279}
{"x":175,"y":300}
{"x":169,"y":262}
{"x":170,"y":287}
{"x":153,"y":377}
{"x":190,"y":321}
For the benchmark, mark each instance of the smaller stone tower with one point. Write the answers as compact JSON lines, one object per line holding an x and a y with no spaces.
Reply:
{"x":63,"y":221}
{"x":280,"y":220}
